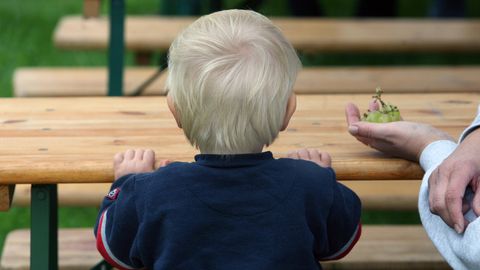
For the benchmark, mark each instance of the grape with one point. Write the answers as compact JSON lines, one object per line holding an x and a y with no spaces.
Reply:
{"x":386,"y":113}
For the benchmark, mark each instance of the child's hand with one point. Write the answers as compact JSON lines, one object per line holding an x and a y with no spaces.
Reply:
{"x":323,"y":159}
{"x":134,"y":161}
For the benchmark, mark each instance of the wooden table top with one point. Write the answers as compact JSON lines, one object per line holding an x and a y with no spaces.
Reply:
{"x":73,"y":140}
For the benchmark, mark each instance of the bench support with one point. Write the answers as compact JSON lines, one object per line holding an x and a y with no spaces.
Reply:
{"x":116,"y":48}
{"x":6,"y":195}
{"x":44,"y":224}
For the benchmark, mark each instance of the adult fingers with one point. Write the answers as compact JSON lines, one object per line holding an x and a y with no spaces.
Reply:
{"x":369,"y":130}
{"x":437,"y":187}
{"x":352,"y":113}
{"x":476,"y":202}
{"x":373,"y":105}
{"x":454,"y":196}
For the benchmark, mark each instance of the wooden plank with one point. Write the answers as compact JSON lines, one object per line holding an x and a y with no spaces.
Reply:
{"x":91,"y":8}
{"x":149,"y":33}
{"x":375,"y":195}
{"x":6,"y":196}
{"x":380,"y":247}
{"x":386,"y":195}
{"x":44,"y":82}
{"x":76,"y":248}
{"x":68,"y":194}
{"x":392,"y":247}
{"x":49,"y":140}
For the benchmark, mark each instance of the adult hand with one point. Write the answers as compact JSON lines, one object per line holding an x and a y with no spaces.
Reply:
{"x":400,"y":139}
{"x":447,"y":184}
{"x":322,"y":159}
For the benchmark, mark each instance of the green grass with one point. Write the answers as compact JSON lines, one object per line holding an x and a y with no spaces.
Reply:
{"x":26,"y":40}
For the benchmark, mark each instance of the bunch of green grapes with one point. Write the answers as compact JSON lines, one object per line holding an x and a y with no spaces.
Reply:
{"x":386,"y":113}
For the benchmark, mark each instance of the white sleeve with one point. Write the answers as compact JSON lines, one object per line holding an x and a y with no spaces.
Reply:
{"x":461,"y":251}
{"x":475,"y":124}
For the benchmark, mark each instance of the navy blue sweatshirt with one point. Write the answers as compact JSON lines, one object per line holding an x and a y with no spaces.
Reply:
{"x":230,"y":212}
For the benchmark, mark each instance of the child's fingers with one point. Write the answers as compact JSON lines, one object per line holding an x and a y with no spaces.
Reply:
{"x":293,"y":154}
{"x":139,"y":154}
{"x":164,"y":163}
{"x":325,"y":159}
{"x":118,"y":158}
{"x":303,"y":154}
{"x":149,"y":156}
{"x":129,"y":154}
{"x":314,"y":155}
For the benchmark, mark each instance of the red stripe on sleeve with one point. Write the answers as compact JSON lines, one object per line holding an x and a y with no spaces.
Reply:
{"x":101,"y":246}
{"x":347,"y":250}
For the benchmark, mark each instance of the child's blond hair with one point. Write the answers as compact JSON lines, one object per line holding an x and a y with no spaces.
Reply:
{"x":231,"y":74}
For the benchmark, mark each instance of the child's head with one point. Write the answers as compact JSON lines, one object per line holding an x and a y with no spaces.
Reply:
{"x":231,"y":75}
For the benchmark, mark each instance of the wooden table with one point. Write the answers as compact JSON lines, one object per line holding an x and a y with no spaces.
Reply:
{"x":47,"y":141}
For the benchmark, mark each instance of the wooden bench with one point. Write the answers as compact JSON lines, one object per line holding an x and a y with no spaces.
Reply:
{"x":153,"y":33}
{"x":412,"y":250}
{"x":44,"y":82}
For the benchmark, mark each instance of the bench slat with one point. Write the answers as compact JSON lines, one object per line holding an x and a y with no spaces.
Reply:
{"x":392,"y":247}
{"x":76,"y":248}
{"x":45,"y":82}
{"x":380,"y":247}
{"x":149,"y":33}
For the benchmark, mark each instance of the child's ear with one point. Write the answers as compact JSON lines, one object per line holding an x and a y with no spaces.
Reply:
{"x":171,"y":106}
{"x":291,"y":107}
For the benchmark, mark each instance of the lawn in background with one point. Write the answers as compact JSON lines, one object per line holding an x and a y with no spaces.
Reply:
{"x":26,"y":41}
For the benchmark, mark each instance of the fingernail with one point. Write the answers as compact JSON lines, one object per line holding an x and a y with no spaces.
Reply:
{"x":458,"y":229}
{"x":353,"y":130}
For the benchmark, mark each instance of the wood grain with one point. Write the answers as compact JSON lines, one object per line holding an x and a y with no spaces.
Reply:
{"x":73,"y":140}
{"x":145,"y":33}
{"x":55,"y":82}
{"x":6,"y":196}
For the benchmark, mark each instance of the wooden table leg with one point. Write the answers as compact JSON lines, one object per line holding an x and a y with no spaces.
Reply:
{"x":44,"y":228}
{"x":6,"y":195}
